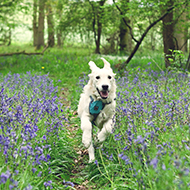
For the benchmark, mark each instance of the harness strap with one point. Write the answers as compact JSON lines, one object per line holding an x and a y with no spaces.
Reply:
{"x":95,"y":107}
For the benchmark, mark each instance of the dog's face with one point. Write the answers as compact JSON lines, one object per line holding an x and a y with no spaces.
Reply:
{"x":102,"y":79}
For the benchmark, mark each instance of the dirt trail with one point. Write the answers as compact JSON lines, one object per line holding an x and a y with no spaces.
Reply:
{"x":72,"y":126}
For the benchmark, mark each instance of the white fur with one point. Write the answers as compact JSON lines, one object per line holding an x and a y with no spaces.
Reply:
{"x":99,"y":78}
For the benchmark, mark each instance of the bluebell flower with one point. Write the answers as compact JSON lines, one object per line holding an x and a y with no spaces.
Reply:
{"x":186,"y":171}
{"x":48,"y":184}
{"x":13,"y":184}
{"x":40,"y":173}
{"x":29,"y":187}
{"x":67,"y":183}
{"x":154,"y":162}
{"x":5,"y":176}
{"x":34,"y":170}
{"x":187,"y":147}
{"x":163,"y":167}
{"x":96,"y":162}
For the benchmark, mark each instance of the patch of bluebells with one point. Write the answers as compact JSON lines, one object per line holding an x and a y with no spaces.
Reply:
{"x":30,"y":121}
{"x":82,"y":82}
{"x":152,"y":127}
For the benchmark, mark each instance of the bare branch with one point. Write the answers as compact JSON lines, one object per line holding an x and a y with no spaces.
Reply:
{"x":25,"y":53}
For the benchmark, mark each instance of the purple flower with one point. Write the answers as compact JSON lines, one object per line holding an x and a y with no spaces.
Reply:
{"x":139,"y":139}
{"x":13,"y":185}
{"x":34,"y":170}
{"x":187,"y":147}
{"x":48,"y":184}
{"x":67,"y":183}
{"x":163,"y":167}
{"x":154,"y":162}
{"x":186,"y":171}
{"x":177,"y":163}
{"x":44,"y":137}
{"x":5,"y":176}
{"x":96,"y":162}
{"x":39,"y":174}
{"x":16,"y":171}
{"x":29,"y":187}
{"x":48,"y":156}
{"x":125,"y":158}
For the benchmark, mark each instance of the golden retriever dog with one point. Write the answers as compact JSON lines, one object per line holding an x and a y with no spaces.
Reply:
{"x":97,"y":105}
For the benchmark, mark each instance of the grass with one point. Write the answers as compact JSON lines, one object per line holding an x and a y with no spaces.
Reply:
{"x":148,"y":149}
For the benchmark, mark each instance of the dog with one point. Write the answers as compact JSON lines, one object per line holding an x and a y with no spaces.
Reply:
{"x":97,"y":106}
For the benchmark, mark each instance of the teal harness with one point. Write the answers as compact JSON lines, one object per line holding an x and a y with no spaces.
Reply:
{"x":95,"y":107}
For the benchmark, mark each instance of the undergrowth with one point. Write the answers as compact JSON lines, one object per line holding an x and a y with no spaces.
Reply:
{"x":41,"y":139}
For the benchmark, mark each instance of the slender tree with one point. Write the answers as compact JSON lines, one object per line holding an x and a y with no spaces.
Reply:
{"x":34,"y":23}
{"x":124,"y":36}
{"x":41,"y":21}
{"x":97,"y":12}
{"x":50,"y":24}
{"x":168,"y":34}
{"x":181,"y":30}
{"x":38,"y":23}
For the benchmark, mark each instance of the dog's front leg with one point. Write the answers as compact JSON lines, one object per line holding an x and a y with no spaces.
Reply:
{"x":107,"y":129}
{"x":91,"y":153}
{"x":86,"y":126}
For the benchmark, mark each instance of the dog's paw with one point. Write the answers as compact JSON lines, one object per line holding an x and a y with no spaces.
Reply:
{"x":103,"y":116}
{"x":91,"y":160}
{"x":97,"y":143}
{"x":101,"y":137}
{"x":86,"y":141}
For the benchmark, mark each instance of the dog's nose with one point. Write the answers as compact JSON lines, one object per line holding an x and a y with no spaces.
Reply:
{"x":105,"y":87}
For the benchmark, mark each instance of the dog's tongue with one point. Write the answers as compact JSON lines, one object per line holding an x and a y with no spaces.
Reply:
{"x":104,"y":94}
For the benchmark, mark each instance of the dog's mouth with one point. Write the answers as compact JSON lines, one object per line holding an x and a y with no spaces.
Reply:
{"x":104,"y":93}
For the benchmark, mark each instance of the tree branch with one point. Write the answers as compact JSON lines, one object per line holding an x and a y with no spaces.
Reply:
{"x":25,"y":53}
{"x":122,"y":66}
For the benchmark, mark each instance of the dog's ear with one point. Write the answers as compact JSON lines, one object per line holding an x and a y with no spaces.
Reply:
{"x":106,"y":64}
{"x":93,"y":66}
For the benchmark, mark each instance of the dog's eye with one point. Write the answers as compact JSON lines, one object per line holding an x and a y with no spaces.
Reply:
{"x":97,"y":77}
{"x":109,"y":77}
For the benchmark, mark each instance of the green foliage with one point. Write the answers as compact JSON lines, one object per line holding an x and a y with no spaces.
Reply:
{"x":177,"y":60}
{"x":112,"y":170}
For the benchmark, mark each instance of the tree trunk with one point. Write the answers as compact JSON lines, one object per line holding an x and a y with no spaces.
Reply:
{"x":152,"y":41}
{"x":181,"y":32}
{"x":125,"y":37}
{"x":40,"y":41}
{"x":98,"y":34}
{"x":99,"y":24}
{"x":59,"y":40}
{"x":168,"y":35}
{"x":34,"y":23}
{"x":10,"y":34}
{"x":188,"y":62}
{"x":51,"y":39}
{"x":97,"y":15}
